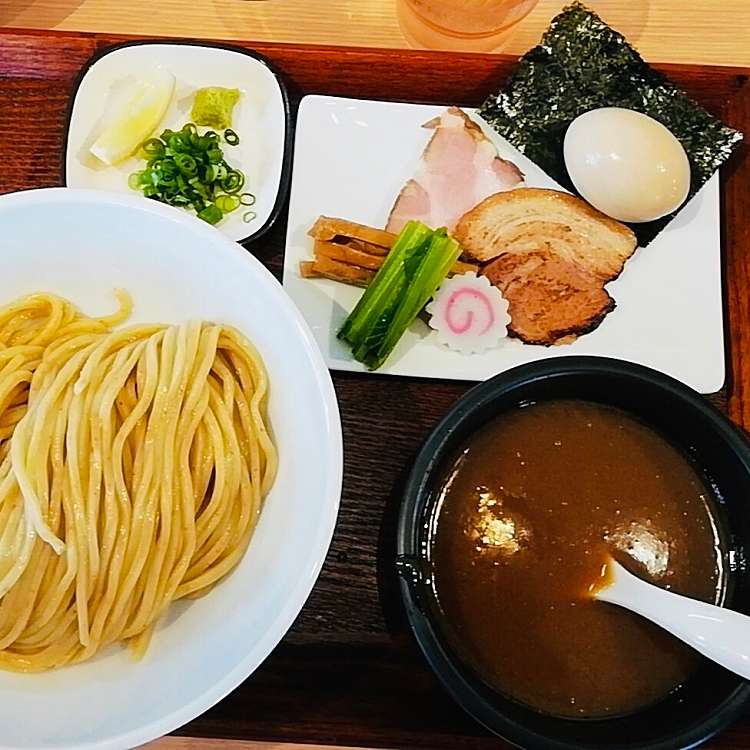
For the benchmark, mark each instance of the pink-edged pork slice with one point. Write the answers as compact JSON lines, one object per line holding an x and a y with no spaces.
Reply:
{"x":460,"y":168}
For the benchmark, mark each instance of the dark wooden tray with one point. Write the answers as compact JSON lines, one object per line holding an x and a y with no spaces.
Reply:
{"x":348,"y":671}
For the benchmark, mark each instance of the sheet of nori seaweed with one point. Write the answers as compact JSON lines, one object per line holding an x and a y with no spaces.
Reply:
{"x":583,"y":64}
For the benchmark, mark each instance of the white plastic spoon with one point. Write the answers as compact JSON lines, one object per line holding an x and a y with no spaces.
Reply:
{"x":719,"y":634}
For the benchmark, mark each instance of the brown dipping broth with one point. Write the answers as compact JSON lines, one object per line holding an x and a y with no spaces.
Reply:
{"x":519,"y":537}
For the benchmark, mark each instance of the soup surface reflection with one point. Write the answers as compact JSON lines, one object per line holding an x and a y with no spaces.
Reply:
{"x":527,"y":516}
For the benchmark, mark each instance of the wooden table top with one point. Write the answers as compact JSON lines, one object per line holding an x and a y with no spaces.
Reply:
{"x":690,"y":31}
{"x":197,"y":743}
{"x":348,"y":673}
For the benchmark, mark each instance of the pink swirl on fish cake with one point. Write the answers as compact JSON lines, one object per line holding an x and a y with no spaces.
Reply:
{"x":469,"y":314}
{"x":451,"y":311}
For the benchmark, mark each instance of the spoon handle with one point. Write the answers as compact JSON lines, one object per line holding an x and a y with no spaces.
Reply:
{"x":719,"y":634}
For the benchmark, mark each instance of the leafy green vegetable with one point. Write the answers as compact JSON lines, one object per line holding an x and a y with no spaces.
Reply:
{"x":414,"y":268}
{"x":390,"y":280}
{"x":437,"y":260}
{"x":583,"y":64}
{"x":213,"y":107}
{"x":187,"y":169}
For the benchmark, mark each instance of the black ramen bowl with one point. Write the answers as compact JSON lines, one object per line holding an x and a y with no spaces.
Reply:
{"x":713,"y":697}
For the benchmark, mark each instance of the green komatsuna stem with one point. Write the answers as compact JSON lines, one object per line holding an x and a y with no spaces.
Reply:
{"x":385,"y":287}
{"x":434,"y":267}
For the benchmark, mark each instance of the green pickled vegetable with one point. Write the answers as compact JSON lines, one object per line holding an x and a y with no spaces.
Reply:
{"x":413,"y":270}
{"x":213,"y":107}
{"x":187,"y":169}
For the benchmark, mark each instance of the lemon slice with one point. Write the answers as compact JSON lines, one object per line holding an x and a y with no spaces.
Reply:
{"x":140,"y":113}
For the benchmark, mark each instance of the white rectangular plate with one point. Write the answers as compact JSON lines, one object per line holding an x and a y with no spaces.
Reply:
{"x":259,"y":118}
{"x":351,"y":159}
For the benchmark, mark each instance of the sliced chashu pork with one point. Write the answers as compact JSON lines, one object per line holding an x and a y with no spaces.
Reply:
{"x":551,"y":300}
{"x":551,"y":256}
{"x":460,"y":167}
{"x":530,"y":219}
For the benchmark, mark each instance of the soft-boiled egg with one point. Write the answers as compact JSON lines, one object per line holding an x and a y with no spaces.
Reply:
{"x":626,"y":164}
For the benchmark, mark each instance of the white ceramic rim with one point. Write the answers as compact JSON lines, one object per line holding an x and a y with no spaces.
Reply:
{"x":260,"y":649}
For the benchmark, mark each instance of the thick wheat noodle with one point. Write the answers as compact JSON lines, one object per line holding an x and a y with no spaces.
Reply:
{"x":133,"y":466}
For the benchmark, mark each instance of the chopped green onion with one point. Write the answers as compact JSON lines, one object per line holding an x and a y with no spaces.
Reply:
{"x":185,"y":168}
{"x":186,"y":164}
{"x":227,"y":203}
{"x":212,"y":214}
{"x":233,"y":182}
{"x":153,"y":147}
{"x":248,"y":216}
{"x":178,"y":143}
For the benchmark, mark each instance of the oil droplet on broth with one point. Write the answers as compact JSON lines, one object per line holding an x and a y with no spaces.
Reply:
{"x":494,"y":529}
